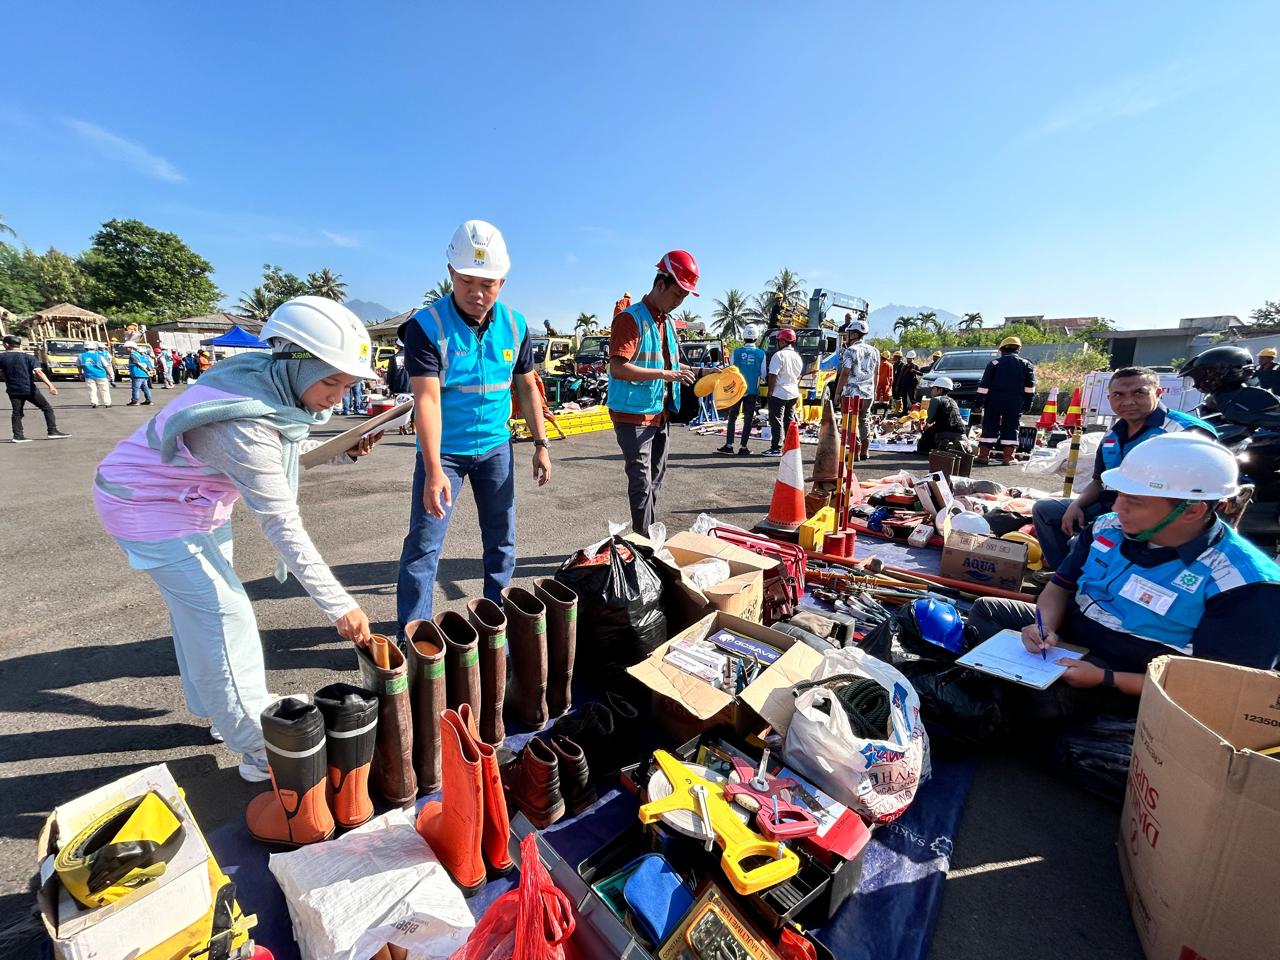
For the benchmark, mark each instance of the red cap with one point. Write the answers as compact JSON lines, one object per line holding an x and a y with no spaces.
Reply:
{"x":680,"y":265}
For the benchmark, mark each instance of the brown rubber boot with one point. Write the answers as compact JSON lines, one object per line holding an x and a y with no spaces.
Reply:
{"x":527,"y":637}
{"x":295,"y":812}
{"x":488,"y":620}
{"x":497,"y":825}
{"x":562,"y":641}
{"x":393,"y":775}
{"x":454,"y":826}
{"x":351,"y":730}
{"x":532,"y":782}
{"x":984,"y":454}
{"x":461,"y":660}
{"x":575,"y":775}
{"x":424,"y":648}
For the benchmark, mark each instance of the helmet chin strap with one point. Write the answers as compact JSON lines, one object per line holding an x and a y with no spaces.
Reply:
{"x":1174,"y":514}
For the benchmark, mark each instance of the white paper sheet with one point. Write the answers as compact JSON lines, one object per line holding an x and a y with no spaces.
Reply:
{"x":1004,"y":656}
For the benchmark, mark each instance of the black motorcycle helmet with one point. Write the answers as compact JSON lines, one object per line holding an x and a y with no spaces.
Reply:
{"x":1219,"y":368}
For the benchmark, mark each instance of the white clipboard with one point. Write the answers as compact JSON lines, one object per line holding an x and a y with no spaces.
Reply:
{"x":1004,"y":656}
{"x":349,"y":438}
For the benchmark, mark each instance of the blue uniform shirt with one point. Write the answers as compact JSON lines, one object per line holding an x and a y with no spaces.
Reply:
{"x":750,"y":361}
{"x":94,"y":364}
{"x":1117,"y":443}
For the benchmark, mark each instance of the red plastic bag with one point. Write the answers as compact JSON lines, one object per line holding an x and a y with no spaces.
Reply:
{"x":532,"y":922}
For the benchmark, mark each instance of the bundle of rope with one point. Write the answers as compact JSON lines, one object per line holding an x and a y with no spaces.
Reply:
{"x":865,"y":702}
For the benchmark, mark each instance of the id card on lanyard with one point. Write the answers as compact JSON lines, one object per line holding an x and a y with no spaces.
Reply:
{"x":1143,"y":592}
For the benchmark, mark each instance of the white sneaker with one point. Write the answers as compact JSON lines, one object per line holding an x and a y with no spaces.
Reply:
{"x":254,"y":767}
{"x":215,"y":734}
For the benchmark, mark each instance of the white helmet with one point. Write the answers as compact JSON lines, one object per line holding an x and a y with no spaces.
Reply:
{"x":910,"y":355}
{"x":1181,"y":466}
{"x":964,"y":521}
{"x":750,"y":333}
{"x":326,"y":330}
{"x":855,"y":326}
{"x":478,"y":250}
{"x":943,"y":383}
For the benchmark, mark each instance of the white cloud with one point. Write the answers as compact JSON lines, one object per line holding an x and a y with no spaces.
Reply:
{"x":340,"y":239}
{"x":1129,"y":97}
{"x":115,"y":147}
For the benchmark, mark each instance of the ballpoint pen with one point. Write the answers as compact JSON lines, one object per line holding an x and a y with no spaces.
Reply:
{"x":1040,"y":627}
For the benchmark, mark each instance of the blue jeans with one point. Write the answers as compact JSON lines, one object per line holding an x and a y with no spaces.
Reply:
{"x":143,"y":385}
{"x":353,"y":399}
{"x":493,"y":484}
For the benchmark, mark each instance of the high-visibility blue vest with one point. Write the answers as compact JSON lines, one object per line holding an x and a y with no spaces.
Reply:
{"x":475,"y":375}
{"x":647,"y":396}
{"x":1172,"y":421}
{"x":1164,"y":603}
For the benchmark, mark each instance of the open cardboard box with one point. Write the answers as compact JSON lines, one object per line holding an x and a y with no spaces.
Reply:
{"x":684,"y":706}
{"x":741,"y":595}
{"x":145,"y":918}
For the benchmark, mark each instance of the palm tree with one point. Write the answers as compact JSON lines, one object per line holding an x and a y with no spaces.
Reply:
{"x":441,"y":290}
{"x":971,"y":321}
{"x":585,"y":323}
{"x":5,"y":228}
{"x":687,"y":317}
{"x":326,"y":284}
{"x":730,"y":314}
{"x":788,"y":286}
{"x":904,"y":325}
{"x":255,"y":306}
{"x":927,"y":318}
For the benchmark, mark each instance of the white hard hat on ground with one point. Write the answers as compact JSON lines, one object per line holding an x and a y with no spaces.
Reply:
{"x":478,"y":250}
{"x":1181,"y":466}
{"x":326,"y":330}
{"x":964,"y":521}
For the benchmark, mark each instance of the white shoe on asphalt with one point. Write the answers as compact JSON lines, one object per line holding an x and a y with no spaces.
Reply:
{"x":254,"y":767}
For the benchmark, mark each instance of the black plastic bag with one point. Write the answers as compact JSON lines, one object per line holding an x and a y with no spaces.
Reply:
{"x":961,"y":708}
{"x":1097,"y":756}
{"x":620,"y":615}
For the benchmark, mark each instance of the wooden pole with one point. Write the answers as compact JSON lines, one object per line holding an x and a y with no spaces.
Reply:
{"x":1072,"y":459}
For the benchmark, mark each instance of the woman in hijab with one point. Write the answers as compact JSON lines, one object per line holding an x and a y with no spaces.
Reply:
{"x":165,"y":494}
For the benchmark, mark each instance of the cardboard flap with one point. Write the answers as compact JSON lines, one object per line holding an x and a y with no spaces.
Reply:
{"x":700,"y":699}
{"x":770,"y":696}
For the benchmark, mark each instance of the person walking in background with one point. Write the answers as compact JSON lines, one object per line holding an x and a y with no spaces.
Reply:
{"x":20,"y":372}
{"x":898,"y":364}
{"x":749,"y":359}
{"x":884,"y":383}
{"x":164,"y":368}
{"x":859,"y":363}
{"x":176,"y":365}
{"x":203,"y":362}
{"x":95,"y":367}
{"x":784,"y":390}
{"x":908,"y":381}
{"x":189,"y":365}
{"x":141,"y":367}
{"x":353,"y":400}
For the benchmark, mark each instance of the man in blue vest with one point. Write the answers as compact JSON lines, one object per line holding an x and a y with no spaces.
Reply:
{"x":95,"y":366}
{"x":1163,"y":574}
{"x":463,"y":354}
{"x":644,"y":381}
{"x":141,"y":367}
{"x":1134,"y":395}
{"x":749,"y":359}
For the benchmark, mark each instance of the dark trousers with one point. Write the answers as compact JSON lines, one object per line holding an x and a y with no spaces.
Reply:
{"x":644,"y":453}
{"x":781,"y":413}
{"x":747,"y":407}
{"x":37,"y":400}
{"x":1000,"y":421}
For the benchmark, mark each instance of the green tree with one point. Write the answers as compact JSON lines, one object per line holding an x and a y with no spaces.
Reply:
{"x":731,"y":314}
{"x":1267,"y":314}
{"x":5,"y":228}
{"x":326,"y":283}
{"x":20,"y":279}
{"x":585,"y":323}
{"x":441,"y":290}
{"x":788,"y":286}
{"x":62,"y":280}
{"x":280,"y":285}
{"x":904,"y":325}
{"x":256,"y":305}
{"x":688,"y":318}
{"x":971,"y":321}
{"x":139,"y":272}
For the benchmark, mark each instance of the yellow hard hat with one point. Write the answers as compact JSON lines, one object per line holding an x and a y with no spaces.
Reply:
{"x":937,"y":354}
{"x":1011,"y":342}
{"x":1035,"y":557}
{"x":1267,"y":352}
{"x":706,"y":384}
{"x":731,"y":386}
{"x":897,"y":353}
{"x":884,"y":354}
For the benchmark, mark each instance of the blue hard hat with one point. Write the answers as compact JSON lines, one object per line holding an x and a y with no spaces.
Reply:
{"x":939,"y":623}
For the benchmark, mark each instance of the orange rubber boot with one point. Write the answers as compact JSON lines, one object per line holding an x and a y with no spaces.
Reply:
{"x":454,"y":826}
{"x":497,"y":825}
{"x":350,"y":726}
{"x":295,"y":812}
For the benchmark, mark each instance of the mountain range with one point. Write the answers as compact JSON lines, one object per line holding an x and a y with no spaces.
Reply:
{"x":881,"y":319}
{"x":369,"y":311}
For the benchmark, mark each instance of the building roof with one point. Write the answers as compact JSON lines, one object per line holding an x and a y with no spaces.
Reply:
{"x":1156,"y":332}
{"x":207,"y":322}
{"x":69,"y":311}
{"x":389,"y":326}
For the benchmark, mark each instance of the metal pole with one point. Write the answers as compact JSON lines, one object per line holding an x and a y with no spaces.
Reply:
{"x":1072,"y":459}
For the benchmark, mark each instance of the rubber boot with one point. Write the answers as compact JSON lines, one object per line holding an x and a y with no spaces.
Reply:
{"x":295,"y":812}
{"x":562,"y":641}
{"x":984,"y":454}
{"x":424,"y":650}
{"x":350,"y":731}
{"x":497,"y":825}
{"x":393,"y":775}
{"x":454,"y":825}
{"x":461,"y":660}
{"x":575,"y":775}
{"x":532,"y":782}
{"x":864,"y":448}
{"x":488,"y":620}
{"x":527,"y":635}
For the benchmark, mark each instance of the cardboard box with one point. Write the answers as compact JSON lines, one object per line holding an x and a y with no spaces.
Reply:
{"x":741,"y":595}
{"x":989,"y":561}
{"x":1200,"y":831}
{"x":146,"y":918}
{"x":684,"y":706}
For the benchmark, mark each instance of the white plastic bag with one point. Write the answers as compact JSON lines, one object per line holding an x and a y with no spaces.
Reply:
{"x":875,"y":778}
{"x":378,"y":884}
{"x":1052,"y":461}
{"x":707,"y":572}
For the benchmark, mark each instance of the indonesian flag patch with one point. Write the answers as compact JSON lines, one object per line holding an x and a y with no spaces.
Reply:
{"x":1103,"y":543}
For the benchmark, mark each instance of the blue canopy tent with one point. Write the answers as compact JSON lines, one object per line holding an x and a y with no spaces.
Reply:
{"x":238,"y":338}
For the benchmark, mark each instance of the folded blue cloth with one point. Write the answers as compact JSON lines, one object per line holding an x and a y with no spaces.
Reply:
{"x":657,"y":897}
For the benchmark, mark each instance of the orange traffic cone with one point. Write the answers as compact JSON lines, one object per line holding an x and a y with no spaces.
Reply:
{"x":1074,"y":417}
{"x":1049,"y":416}
{"x":786,"y":512}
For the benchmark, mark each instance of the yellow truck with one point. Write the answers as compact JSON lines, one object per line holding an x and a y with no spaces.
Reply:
{"x":552,"y":355}
{"x":58,"y":358}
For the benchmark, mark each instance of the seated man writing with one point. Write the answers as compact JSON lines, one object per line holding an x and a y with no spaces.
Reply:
{"x":1134,"y":395}
{"x":1163,"y":574}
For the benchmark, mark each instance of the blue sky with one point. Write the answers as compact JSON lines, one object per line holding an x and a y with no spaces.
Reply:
{"x":1066,"y":159}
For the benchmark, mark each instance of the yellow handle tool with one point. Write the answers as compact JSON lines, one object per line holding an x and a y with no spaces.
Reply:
{"x":739,"y":840}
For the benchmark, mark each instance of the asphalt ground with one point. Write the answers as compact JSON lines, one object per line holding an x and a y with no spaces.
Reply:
{"x":91,"y":691}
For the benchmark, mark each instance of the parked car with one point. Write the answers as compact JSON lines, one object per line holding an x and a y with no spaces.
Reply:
{"x":593,"y":353}
{"x":964,"y":367}
{"x":552,"y":354}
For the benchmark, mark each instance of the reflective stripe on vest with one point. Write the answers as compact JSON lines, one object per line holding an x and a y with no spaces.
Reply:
{"x":645,"y":397}
{"x":1113,"y":451}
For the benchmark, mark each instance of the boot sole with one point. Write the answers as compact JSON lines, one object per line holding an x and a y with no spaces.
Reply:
{"x":290,"y":844}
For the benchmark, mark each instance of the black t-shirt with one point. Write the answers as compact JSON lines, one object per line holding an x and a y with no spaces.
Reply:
{"x":422,"y":359}
{"x":19,"y":372}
